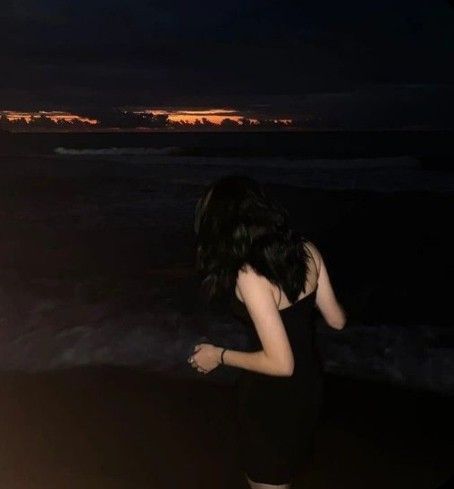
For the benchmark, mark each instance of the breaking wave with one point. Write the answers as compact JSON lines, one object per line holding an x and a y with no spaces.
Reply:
{"x":169,"y":150}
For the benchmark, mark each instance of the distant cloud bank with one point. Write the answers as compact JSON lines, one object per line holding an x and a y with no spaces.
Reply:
{"x":136,"y":120}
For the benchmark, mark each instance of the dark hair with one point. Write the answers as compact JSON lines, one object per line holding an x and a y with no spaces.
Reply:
{"x":236,"y":224}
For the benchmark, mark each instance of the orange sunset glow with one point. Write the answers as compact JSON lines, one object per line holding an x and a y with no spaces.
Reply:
{"x":214,"y":116}
{"x":54,"y":116}
{"x":135,"y":119}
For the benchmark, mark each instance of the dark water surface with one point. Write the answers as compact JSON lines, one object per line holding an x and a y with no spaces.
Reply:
{"x":97,"y":252}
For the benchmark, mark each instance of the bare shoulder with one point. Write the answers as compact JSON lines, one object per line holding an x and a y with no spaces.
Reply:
{"x":248,"y":278}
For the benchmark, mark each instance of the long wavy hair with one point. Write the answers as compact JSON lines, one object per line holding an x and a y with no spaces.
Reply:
{"x":236,"y":224}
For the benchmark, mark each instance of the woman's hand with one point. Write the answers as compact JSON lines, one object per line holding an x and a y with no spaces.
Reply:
{"x":205,"y":358}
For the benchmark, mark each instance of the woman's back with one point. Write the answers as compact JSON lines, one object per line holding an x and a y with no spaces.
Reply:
{"x":298,"y":322}
{"x":277,"y":415}
{"x":318,"y":280}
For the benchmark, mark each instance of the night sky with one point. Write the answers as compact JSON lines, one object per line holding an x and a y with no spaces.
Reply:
{"x":313,"y":65}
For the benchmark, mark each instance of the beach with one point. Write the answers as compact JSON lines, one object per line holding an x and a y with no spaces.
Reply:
{"x":125,"y":428}
{"x":100,"y":308}
{"x":117,"y":120}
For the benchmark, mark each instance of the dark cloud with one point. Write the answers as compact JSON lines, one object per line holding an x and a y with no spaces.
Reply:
{"x":80,"y":56}
{"x":104,"y":120}
{"x":116,"y":119}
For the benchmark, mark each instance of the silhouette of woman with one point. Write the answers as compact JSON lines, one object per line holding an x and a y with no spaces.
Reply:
{"x":275,"y":278}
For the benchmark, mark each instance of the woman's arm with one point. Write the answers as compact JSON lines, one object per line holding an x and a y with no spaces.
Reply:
{"x":326,"y":300}
{"x":257,"y":361}
{"x":276,"y":357}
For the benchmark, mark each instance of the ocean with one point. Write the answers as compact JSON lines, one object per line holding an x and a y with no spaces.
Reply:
{"x":97,"y":246}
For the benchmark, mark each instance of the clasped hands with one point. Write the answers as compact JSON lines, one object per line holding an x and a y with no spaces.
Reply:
{"x":206,"y":357}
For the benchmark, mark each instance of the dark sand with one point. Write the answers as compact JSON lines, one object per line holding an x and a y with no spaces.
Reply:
{"x":122,"y":428}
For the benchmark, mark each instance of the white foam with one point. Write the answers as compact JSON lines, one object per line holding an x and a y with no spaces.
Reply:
{"x":114,"y":151}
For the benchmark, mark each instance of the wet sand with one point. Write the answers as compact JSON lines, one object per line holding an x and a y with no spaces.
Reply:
{"x":114,"y":427}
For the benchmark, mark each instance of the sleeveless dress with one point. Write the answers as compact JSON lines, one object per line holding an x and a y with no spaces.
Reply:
{"x":276,"y":417}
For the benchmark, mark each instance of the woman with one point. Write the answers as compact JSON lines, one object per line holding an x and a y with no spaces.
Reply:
{"x":274,"y":277}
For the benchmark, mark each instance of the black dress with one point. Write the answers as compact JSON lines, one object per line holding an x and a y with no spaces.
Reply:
{"x":277,"y":416}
